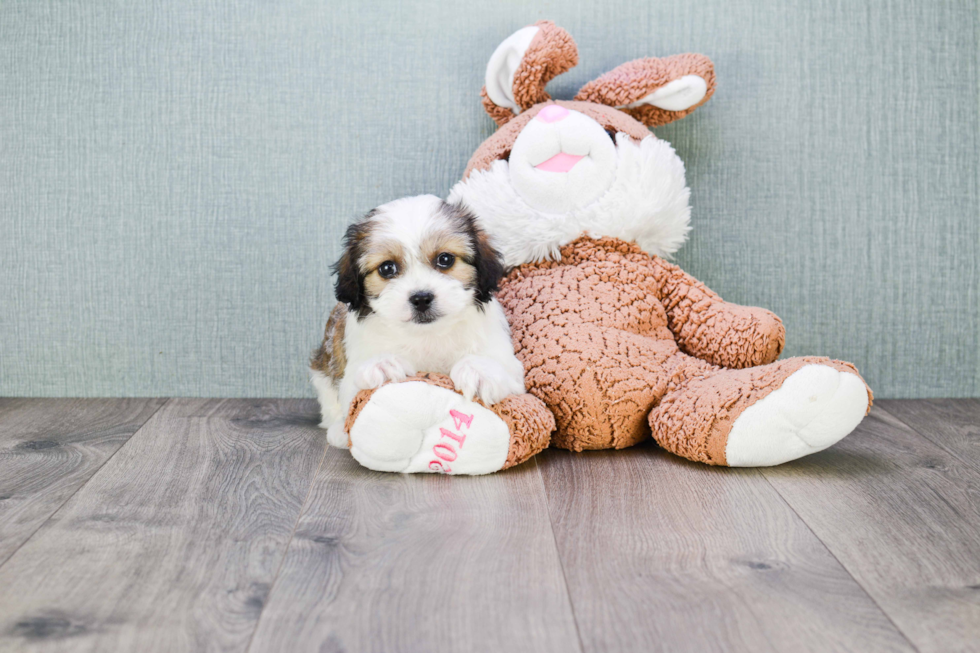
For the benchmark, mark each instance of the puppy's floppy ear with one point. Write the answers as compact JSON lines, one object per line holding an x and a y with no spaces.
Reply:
{"x":522,"y":65}
{"x":489,"y":267}
{"x":655,"y":91}
{"x":349,"y":288}
{"x":485,"y":259}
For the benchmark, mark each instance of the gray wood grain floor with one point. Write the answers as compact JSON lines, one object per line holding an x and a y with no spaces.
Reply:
{"x":199,"y":525}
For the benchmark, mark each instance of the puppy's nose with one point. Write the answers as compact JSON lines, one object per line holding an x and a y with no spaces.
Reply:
{"x":421,"y":300}
{"x":552,"y":113}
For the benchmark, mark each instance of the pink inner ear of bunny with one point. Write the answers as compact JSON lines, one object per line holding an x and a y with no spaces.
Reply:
{"x":551,"y":52}
{"x":635,"y":80}
{"x":499,"y":145}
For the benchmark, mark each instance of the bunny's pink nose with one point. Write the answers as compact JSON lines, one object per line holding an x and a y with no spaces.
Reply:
{"x":552,"y":113}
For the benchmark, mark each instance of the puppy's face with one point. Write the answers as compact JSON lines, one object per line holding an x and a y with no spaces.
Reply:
{"x":416,"y":260}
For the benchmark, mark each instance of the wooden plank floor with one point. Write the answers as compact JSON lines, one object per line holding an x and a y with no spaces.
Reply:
{"x":198,"y":525}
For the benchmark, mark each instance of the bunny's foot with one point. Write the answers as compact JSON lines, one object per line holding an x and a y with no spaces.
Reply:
{"x":761,"y":416}
{"x":424,"y":425}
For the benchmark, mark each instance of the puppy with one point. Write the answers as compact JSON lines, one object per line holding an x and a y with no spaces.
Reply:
{"x":414,"y":291}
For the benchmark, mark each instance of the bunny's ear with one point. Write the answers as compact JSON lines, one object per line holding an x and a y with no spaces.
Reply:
{"x":655,"y":91}
{"x":522,"y":65}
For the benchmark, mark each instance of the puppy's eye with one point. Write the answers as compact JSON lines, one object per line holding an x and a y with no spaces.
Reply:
{"x":445,"y":261}
{"x":388,"y":269}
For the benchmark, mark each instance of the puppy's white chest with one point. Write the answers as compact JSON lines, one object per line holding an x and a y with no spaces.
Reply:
{"x":430,"y":349}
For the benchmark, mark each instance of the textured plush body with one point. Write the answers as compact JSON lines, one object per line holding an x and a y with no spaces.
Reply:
{"x":609,"y":333}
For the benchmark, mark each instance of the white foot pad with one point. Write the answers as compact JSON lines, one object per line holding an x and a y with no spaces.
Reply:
{"x":417,"y":427}
{"x":813,"y":409}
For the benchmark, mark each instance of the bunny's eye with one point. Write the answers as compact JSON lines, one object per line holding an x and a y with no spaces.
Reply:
{"x":445,"y":261}
{"x":388,"y":269}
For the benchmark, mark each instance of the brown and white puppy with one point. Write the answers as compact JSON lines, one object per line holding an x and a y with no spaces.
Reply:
{"x":414,"y":293}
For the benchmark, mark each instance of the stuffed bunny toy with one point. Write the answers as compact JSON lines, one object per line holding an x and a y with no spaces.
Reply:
{"x":584,"y":203}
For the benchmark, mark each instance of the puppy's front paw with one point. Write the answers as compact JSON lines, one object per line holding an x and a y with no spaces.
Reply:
{"x":380,"y":370}
{"x":484,"y":378}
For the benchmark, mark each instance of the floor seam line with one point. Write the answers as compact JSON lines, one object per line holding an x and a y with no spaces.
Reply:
{"x":87,"y":481}
{"x":954,"y":454}
{"x":289,"y":543}
{"x":857,"y":582}
{"x":561,"y":563}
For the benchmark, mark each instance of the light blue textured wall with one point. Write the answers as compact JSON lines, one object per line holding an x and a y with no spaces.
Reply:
{"x":175,"y":175}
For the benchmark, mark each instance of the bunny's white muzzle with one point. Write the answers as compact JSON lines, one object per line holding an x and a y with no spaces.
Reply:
{"x":562,"y":160}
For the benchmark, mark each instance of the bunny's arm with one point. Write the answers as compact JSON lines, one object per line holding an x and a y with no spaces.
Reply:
{"x":712,"y":329}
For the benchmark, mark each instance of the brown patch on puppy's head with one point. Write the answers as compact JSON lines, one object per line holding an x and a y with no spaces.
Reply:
{"x":373,"y":256}
{"x":449,"y":240}
{"x":482,"y":266}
